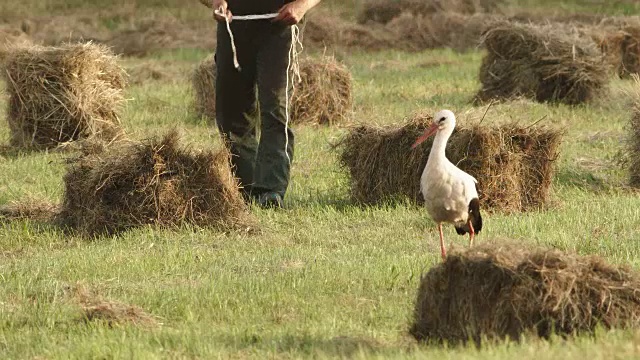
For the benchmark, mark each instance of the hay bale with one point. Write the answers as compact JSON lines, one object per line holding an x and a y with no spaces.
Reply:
{"x":440,"y":30}
{"x":544,"y":16}
{"x":57,"y":30}
{"x":512,"y":163}
{"x":153,"y":182}
{"x":147,"y":72}
{"x":544,"y":63}
{"x":383,"y":11}
{"x":144,"y":38}
{"x":632,"y":156}
{"x":203,"y":81}
{"x":407,"y":30}
{"x":323,"y":96}
{"x":621,"y":48}
{"x":323,"y":30}
{"x":61,"y":94}
{"x":10,"y":38}
{"x":634,"y":147}
{"x":496,"y":292}
{"x":141,"y":36}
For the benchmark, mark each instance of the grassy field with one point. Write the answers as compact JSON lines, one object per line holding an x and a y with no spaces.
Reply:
{"x":324,"y":278}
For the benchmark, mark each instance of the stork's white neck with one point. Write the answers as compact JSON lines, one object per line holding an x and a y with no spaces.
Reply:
{"x":438,"y":148}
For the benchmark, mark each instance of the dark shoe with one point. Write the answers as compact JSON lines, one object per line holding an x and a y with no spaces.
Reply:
{"x":270,"y":200}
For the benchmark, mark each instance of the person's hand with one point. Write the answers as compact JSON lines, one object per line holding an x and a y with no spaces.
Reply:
{"x":220,"y":7}
{"x":292,"y":13}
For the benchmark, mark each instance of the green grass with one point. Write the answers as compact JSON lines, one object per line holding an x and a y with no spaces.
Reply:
{"x":620,"y":7}
{"x":324,"y":278}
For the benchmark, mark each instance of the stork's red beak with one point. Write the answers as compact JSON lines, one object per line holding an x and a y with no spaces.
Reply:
{"x":430,"y":131}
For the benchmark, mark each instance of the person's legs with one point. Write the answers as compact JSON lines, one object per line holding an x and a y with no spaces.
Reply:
{"x":272,"y":164}
{"x":236,"y":107}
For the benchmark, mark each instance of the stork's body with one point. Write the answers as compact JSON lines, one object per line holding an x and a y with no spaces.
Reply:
{"x":450,"y":194}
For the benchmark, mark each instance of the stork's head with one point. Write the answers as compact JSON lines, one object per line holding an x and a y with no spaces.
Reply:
{"x":443,"y":120}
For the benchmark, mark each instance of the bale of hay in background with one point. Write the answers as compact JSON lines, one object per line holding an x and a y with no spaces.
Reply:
{"x":323,"y":96}
{"x":634,"y":147}
{"x":203,"y":81}
{"x":61,"y":94}
{"x":57,"y":30}
{"x":495,"y":292}
{"x":11,"y":38}
{"x":546,"y":16}
{"x":621,"y":48}
{"x":439,"y":30}
{"x":632,"y":156}
{"x":324,"y":29}
{"x":154,"y":182}
{"x":383,"y":11}
{"x":512,"y":163}
{"x":146,"y":72}
{"x":144,"y":35}
{"x":544,"y":63}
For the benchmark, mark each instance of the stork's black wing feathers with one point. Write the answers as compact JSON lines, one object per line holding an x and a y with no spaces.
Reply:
{"x":474,"y":216}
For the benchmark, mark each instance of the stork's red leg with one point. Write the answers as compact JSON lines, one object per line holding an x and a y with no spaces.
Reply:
{"x":443,"y":251}
{"x":472,"y":233}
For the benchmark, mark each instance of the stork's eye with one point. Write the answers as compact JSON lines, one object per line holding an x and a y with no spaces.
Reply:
{"x":442,"y":119}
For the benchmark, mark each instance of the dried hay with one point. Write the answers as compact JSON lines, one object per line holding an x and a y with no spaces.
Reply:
{"x":440,"y":30}
{"x":544,"y":63}
{"x":406,"y":31}
{"x":633,"y":146}
{"x":11,"y":38}
{"x":323,"y":96}
{"x":380,"y":11}
{"x":60,"y":94}
{"x":147,"y":72}
{"x":113,"y":313}
{"x":621,"y":48}
{"x":383,"y":11}
{"x":618,"y":21}
{"x":123,"y":29}
{"x":495,"y":292}
{"x":203,"y":81}
{"x":153,"y":182}
{"x":514,"y":164}
{"x":142,"y":36}
{"x":323,"y":29}
{"x":29,"y":209}
{"x":58,"y":30}
{"x":116,"y":313}
{"x":550,"y":16}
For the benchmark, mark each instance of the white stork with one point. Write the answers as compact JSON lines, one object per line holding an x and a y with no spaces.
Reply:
{"x":450,"y":194}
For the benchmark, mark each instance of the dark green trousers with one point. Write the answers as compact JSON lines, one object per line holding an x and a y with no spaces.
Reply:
{"x":250,"y":104}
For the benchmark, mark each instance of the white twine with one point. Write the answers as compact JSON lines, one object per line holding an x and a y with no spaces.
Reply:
{"x":255,"y":17}
{"x":293,"y":65}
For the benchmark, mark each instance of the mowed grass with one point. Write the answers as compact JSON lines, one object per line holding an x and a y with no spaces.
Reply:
{"x":324,"y":278}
